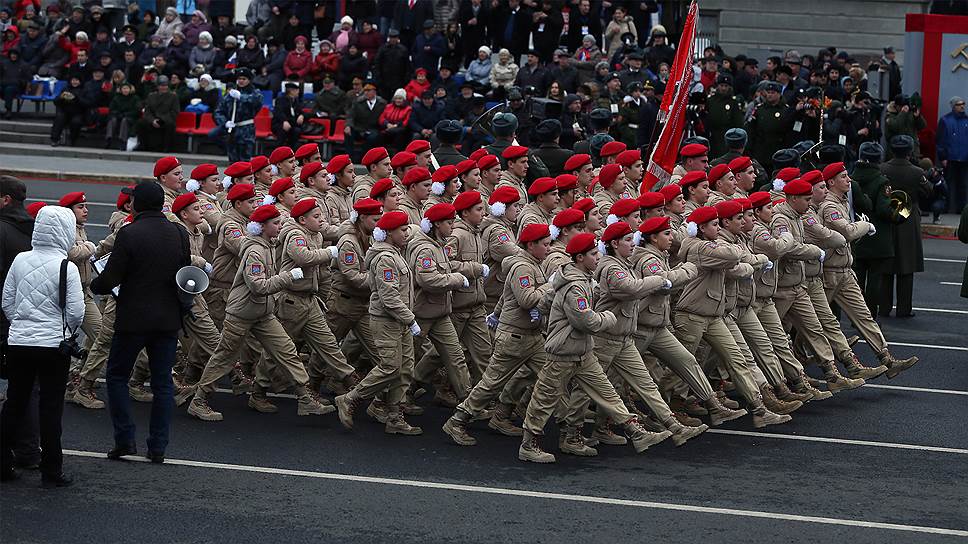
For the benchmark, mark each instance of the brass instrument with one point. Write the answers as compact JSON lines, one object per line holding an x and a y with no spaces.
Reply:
{"x":901,"y":203}
{"x":484,"y":121}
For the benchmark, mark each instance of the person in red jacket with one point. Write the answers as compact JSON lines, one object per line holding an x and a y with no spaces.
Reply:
{"x":394,"y":120}
{"x":81,"y":42}
{"x":299,"y":61}
{"x":417,"y":85}
{"x":327,"y":61}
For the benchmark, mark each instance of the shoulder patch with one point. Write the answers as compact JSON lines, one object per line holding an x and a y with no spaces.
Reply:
{"x":235,"y":233}
{"x":388,"y":274}
{"x":655,"y":268}
{"x":255,"y":269}
{"x":711,"y":245}
{"x":582,"y":304}
{"x":835,"y":216}
{"x":503,"y":238}
{"x":447,"y":250}
{"x":426,"y":262}
{"x":209,"y":206}
{"x":300,"y":241}
{"x":766,"y":235}
{"x":524,"y":281}
{"x":619,"y":274}
{"x":811,"y":220}
{"x":782,"y":228}
{"x":349,"y":257}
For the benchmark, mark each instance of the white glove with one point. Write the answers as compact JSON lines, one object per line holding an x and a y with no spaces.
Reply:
{"x":486,"y":272}
{"x":491,"y":321}
{"x":551,"y":278}
{"x":873,"y":231}
{"x":768,"y":266}
{"x":535,"y":315}
{"x":91,"y":246}
{"x":668,"y":284}
{"x":234,"y":93}
{"x":466,"y":282}
{"x":297,"y":273}
{"x":415,"y":329}
{"x":333,"y":251}
{"x":230,"y":124}
{"x":823,"y":255}
{"x":208,"y":269}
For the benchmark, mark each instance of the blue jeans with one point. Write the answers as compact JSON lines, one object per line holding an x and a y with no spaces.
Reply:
{"x":125,"y":347}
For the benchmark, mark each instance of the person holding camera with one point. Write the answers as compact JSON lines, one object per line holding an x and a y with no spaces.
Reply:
{"x":44,"y":302}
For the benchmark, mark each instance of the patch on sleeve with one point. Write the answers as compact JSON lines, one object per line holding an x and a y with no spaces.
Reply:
{"x":235,"y":233}
{"x":835,"y":216}
{"x":619,"y":274}
{"x":782,"y":229}
{"x":209,"y":206}
{"x":166,"y":208}
{"x":766,"y":235}
{"x":525,"y":281}
{"x":711,"y":245}
{"x":503,"y":238}
{"x":447,"y":250}
{"x":426,"y":262}
{"x":301,"y":242}
{"x":388,"y":274}
{"x":349,"y":257}
{"x":582,"y":304}
{"x":655,"y":268}
{"x":256,"y":269}
{"x":811,"y":221}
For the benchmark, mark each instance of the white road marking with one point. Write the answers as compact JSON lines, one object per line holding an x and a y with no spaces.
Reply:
{"x":930,"y":346}
{"x":941,"y":310}
{"x":936,"y":449}
{"x":917,"y":389}
{"x":590,"y":499}
{"x":937,"y":260}
{"x":957,"y":284}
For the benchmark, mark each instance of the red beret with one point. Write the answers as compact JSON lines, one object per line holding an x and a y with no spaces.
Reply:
{"x":624,"y":207}
{"x":670,"y":192}
{"x":608,"y":174}
{"x":165,"y":165}
{"x":566,"y":182}
{"x":306,"y":150}
{"x":739,"y":164}
{"x":580,"y":243}
{"x":717,"y":172}
{"x":747,"y":205}
{"x":797,"y":187}
{"x":813,"y":177}
{"x":692,"y":178}
{"x":239,"y":169}
{"x":302,"y":207}
{"x":393,"y":220}
{"x":629,"y":157}
{"x":123,"y":197}
{"x":182,"y":201}
{"x":467,"y":200}
{"x":381,"y":187}
{"x":415,"y":176}
{"x":280,"y":154}
{"x":476,"y":155}
{"x":258,"y":163}
{"x":693,"y":150}
{"x":264,"y":213}
{"x":403,"y":159}
{"x":584,"y":204}
{"x":309,"y":169}
{"x":418,"y":146}
{"x":375,"y":155}
{"x":612,"y":148}
{"x":653,"y":225}
{"x":440,"y":212}
{"x":702,"y":215}
{"x":202,"y":171}
{"x":728,"y":208}
{"x":70,"y":199}
{"x":832,"y":170}
{"x":505,"y":195}
{"x":760,"y":198}
{"x":568,"y":217}
{"x":615,"y":231}
{"x":367,"y":206}
{"x":534,"y":232}
{"x":788,"y":174}
{"x":241,"y":191}
{"x":541,"y":186}
{"x":514,"y":152}
{"x":487,"y":161}
{"x":444,"y":174}
{"x":280,"y":185}
{"x":576,"y":161}
{"x":338,"y":163}
{"x":652,"y":200}
{"x":34,"y":208}
{"x":464,"y":167}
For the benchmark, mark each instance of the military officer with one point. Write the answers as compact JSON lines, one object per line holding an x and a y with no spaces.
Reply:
{"x":724,"y":111}
{"x":504,"y":126}
{"x":548,"y":134}
{"x":448,"y":133}
{"x":769,"y":125}
{"x":236,"y":112}
{"x":908,"y":253}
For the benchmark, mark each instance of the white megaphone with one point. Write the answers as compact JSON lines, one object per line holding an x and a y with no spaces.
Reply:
{"x":192,"y":280}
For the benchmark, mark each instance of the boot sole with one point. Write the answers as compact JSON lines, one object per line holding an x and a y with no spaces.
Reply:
{"x":736,"y":415}
{"x":87,"y":404}
{"x":590,"y":452}
{"x":217,"y":417}
{"x":272,"y":410}
{"x":759,"y":424}
{"x":837,"y":387}
{"x":615,"y":441}
{"x":641,"y":446}
{"x":414,"y":431}
{"x":681,"y":438}
{"x":871,"y":376}
{"x":784,"y":411}
{"x":529,"y":459}
{"x":320,"y":412}
{"x":891,"y":375}
{"x":506,"y":432}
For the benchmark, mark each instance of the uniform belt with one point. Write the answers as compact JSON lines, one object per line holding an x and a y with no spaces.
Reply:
{"x":244,"y":123}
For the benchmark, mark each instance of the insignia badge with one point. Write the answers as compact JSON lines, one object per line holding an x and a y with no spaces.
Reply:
{"x":525,"y":281}
{"x":711,"y":245}
{"x":209,"y":206}
{"x":835,"y":216}
{"x":811,"y":221}
{"x":166,"y":208}
{"x":504,"y":238}
{"x":235,"y":233}
{"x":619,"y":274}
{"x":447,"y":250}
{"x":783,"y":228}
{"x":655,"y":268}
{"x":777,"y":114}
{"x":426,"y":262}
{"x":765,"y":235}
{"x":256,"y":269}
{"x":387,"y":274}
{"x":349,"y":257}
{"x":301,"y":242}
{"x":582,"y":304}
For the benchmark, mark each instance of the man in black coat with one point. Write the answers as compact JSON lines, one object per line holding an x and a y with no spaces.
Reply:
{"x":409,"y":20}
{"x":147,"y":254}
{"x":287,"y":116}
{"x":547,"y":134}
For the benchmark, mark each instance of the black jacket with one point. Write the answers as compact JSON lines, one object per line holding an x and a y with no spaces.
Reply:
{"x":147,"y":254}
{"x":16,"y":228}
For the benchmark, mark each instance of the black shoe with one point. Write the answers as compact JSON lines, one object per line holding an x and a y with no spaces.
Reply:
{"x":155,"y":457}
{"x":26,"y":464}
{"x":8,"y":474}
{"x":60,"y":480}
{"x":55,"y":143}
{"x":120,"y":451}
{"x":903,"y":316}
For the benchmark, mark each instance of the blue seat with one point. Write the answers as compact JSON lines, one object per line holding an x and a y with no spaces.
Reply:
{"x":459,"y":79}
{"x":308,"y":97}
{"x":267,"y":99}
{"x":490,"y":105}
{"x":39,"y":101}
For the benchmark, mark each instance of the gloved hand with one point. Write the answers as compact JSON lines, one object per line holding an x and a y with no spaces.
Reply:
{"x":535,"y":315}
{"x":823,"y":255}
{"x":415,"y":329}
{"x":466,"y":282}
{"x":234,"y":93}
{"x":297,"y":273}
{"x":668,"y":284}
{"x":768,"y":266}
{"x":208,"y":269}
{"x":333,"y":251}
{"x":491,"y":321}
{"x":486,"y":272}
{"x":551,"y":278}
{"x":230,"y":124}
{"x":873,"y":230}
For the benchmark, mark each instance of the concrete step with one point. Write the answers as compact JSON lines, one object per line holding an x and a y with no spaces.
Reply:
{"x":8,"y":137}
{"x":43,"y":149}
{"x":33,"y":126}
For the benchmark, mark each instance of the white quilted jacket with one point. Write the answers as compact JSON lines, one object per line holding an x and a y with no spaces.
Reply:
{"x":31,"y":288}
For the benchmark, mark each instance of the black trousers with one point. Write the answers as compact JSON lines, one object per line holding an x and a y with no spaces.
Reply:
{"x":870,"y":277}
{"x":905,"y":293}
{"x":48,"y":368}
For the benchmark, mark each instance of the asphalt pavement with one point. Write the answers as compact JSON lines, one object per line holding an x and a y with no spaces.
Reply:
{"x":884,"y":463}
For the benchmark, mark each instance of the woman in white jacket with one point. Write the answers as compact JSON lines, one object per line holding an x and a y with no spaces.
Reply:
{"x":30,"y":302}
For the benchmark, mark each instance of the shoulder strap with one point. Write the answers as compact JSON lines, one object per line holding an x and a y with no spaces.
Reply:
{"x":62,"y":287}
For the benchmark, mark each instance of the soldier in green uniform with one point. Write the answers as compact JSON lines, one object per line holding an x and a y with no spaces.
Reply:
{"x":551,"y":154}
{"x":769,"y":125}
{"x":724,"y":110}
{"x":629,"y":113}
{"x":448,"y":133}
{"x":908,"y":252}
{"x":504,"y":126}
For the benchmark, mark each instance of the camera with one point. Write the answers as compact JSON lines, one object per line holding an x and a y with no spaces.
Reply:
{"x":69,"y":347}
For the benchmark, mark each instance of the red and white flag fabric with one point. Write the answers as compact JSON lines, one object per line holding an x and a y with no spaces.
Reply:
{"x":672,"y":112}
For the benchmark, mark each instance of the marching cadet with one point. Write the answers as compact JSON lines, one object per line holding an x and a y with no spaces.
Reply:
{"x":692,"y":158}
{"x":416,"y":184}
{"x":377,"y":163}
{"x":840,"y":284}
{"x":791,"y":297}
{"x":80,"y":254}
{"x":387,"y":193}
{"x":675,"y":209}
{"x":434,"y":281}
{"x":401,"y":163}
{"x":544,"y":200}
{"x":262,"y":176}
{"x":235,"y":174}
{"x":610,"y":152}
{"x":490,"y":168}
{"x":780,"y":179}
{"x":225,"y":261}
{"x":251,"y":310}
{"x":168,"y":172}
{"x":580,"y":166}
{"x":634,"y":169}
{"x":469,"y":175}
{"x":651,"y":204}
{"x":745,"y":175}
{"x":516,"y":174}
{"x":444,"y":188}
{"x":695,"y":190}
{"x":722,"y":184}
{"x":814,"y":232}
{"x":700,"y":309}
{"x":775,"y":247}
{"x":338,"y":197}
{"x":282,"y":195}
{"x":306,"y":154}
{"x":567,"y":184}
{"x":298,"y":310}
{"x":594,"y":221}
{"x":421,"y":152}
{"x":620,"y":291}
{"x":566,"y":224}
{"x":612,"y":180}
{"x":626,"y":209}
{"x":393,"y":324}
{"x":467,"y":258}
{"x":652,"y":333}
{"x":497,"y":233}
{"x":448,"y":133}
{"x":570,"y":345}
{"x":316,"y":182}
{"x":206,"y":186}
{"x":283,"y":162}
{"x":518,"y":340}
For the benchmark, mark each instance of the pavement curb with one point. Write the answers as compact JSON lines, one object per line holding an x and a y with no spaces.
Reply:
{"x":69,"y":177}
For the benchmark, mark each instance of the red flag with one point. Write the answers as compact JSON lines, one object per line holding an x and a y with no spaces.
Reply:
{"x":673,"y":109}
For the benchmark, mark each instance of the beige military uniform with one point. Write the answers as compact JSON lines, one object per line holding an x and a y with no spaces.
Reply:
{"x":435,"y":199}
{"x":225,"y":262}
{"x":413,"y":209}
{"x":338,"y":204}
{"x":361,"y":187}
{"x":557,"y":257}
{"x":101,"y":344}
{"x":80,"y":254}
{"x":814,"y":232}
{"x":510,"y":180}
{"x":497,"y":234}
{"x":604,"y":201}
{"x":199,"y":326}
{"x":468,"y":315}
{"x":212,"y":212}
{"x":533,"y":213}
{"x":170,"y":196}
{"x":347,"y":307}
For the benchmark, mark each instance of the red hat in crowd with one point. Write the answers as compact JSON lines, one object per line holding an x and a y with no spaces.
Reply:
{"x":71,"y":199}
{"x":576,"y":161}
{"x":34,"y":208}
{"x":165,"y":165}
{"x":717,"y":172}
{"x":505,"y":195}
{"x":310,"y":169}
{"x":375,"y":155}
{"x":567,"y":218}
{"x":123,"y":197}
{"x":692,"y":178}
{"x":476,"y":155}
{"x":728,"y":208}
{"x":203,"y":171}
{"x":747,"y":205}
{"x":622,"y":208}
{"x":585,"y":205}
{"x":541,"y":186}
{"x":629,"y":157}
{"x":653,"y":225}
{"x":280,"y":154}
{"x":514,"y":152}
{"x":403,"y":159}
{"x":608,"y":174}
{"x":466,"y":166}
{"x":302,"y":207}
{"x":305,"y":151}
{"x":264,"y":213}
{"x":703,"y":214}
{"x":487,"y":161}
{"x":670,"y":192}
{"x":652,"y":200}
{"x":739,"y":164}
{"x":467,"y":200}
{"x":416,"y":175}
{"x":831,"y":171}
{"x":381,"y":187}
{"x":444,"y":174}
{"x":440,"y":212}
{"x":534,"y":232}
{"x":612,"y":148}
{"x":760,"y":198}
{"x":239,"y":169}
{"x":812,"y":177}
{"x":788,"y":174}
{"x":367,"y":206}
{"x":566,"y":182}
{"x":693,"y":150}
{"x":418,"y":146}
{"x":338,"y":163}
{"x":580,"y":243}
{"x":182,"y":201}
{"x":280,"y":185}
{"x":615,"y":231}
{"x":797,"y":187}
{"x":392,"y":220}
{"x":241,"y":191}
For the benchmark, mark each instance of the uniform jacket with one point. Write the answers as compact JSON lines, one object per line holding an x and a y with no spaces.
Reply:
{"x":467,"y":257}
{"x":740,"y":289}
{"x":619,"y":290}
{"x":908,"y":249}
{"x":790,"y":271}
{"x":497,"y":233}
{"x":705,"y":294}
{"x":774,"y":247}
{"x":338,"y":204}
{"x":654,"y":309}
{"x":391,"y":284}
{"x":434,"y":277}
{"x":351,"y":289}
{"x":533,"y":213}
{"x":226,"y":258}
{"x":572,"y":322}
{"x":834,"y":215}
{"x":256,"y":281}
{"x":818,"y":234}
{"x":875,"y":185}
{"x":526,"y":288}
{"x":306,"y":250}
{"x":80,"y":254}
